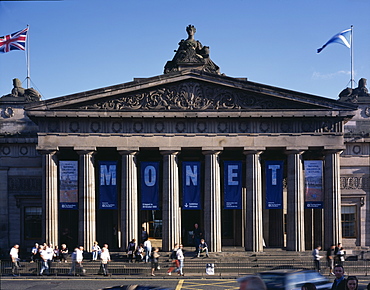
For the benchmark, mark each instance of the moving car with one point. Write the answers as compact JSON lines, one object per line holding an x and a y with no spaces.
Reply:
{"x":291,"y":279}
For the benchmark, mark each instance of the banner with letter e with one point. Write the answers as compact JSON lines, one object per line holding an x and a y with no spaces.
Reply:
{"x":149,"y":185}
{"x":108,"y":184}
{"x":274,"y":184}
{"x":191,"y":185}
{"x":314,"y":195}
{"x":232,"y":184}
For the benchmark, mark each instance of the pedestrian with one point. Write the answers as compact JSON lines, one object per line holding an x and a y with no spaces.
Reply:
{"x":95,"y":251}
{"x":308,"y":286}
{"x":14,"y":251}
{"x":316,"y":258}
{"x":148,"y":250}
{"x":339,"y":282}
{"x":56,"y":254}
{"x":251,"y":282}
{"x":46,"y":255}
{"x":180,"y":258}
{"x":197,"y":235}
{"x":336,"y":250}
{"x":173,"y":258}
{"x":155,"y":260}
{"x":351,"y":283}
{"x":72,"y":271}
{"x":77,"y":258}
{"x":144,"y":235}
{"x":105,"y":258}
{"x":34,"y":252}
{"x":203,"y":247}
{"x":131,"y":250}
{"x":63,"y":253}
{"x":330,"y":258}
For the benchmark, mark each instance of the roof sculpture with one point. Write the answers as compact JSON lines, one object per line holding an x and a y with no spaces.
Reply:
{"x":191,"y":54}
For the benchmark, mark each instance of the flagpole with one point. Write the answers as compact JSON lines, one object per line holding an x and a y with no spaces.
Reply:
{"x":352,"y":62}
{"x":28,"y":58}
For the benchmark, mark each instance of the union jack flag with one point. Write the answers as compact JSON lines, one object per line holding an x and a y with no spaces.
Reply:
{"x":14,"y":41}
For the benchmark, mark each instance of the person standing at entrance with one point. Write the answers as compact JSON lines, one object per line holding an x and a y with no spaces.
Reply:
{"x":316,"y":258}
{"x":197,"y":235}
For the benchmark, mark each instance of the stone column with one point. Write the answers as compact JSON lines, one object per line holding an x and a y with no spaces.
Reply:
{"x":50,"y":196}
{"x":171,"y":217}
{"x":254,"y":229}
{"x":295,"y":200}
{"x":129,"y":198}
{"x":212,"y":201}
{"x":332,"y":199}
{"x":87,"y":199}
{"x":4,"y":208}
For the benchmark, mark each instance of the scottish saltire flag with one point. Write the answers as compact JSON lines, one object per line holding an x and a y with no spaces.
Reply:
{"x":341,"y":38}
{"x":14,"y":41}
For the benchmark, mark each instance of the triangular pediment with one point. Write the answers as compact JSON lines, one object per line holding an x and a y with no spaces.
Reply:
{"x":189,"y":91}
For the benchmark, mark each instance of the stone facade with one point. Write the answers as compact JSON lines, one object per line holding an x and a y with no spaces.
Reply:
{"x":190,"y":113}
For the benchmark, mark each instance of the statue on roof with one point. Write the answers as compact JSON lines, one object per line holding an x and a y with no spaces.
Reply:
{"x":191,"y":54}
{"x":357,"y":94}
{"x":19,"y":93}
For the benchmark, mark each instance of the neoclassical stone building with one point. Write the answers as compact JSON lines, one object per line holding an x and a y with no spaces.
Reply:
{"x":250,"y":163}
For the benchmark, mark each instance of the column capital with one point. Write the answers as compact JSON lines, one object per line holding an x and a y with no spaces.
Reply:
{"x":85,"y":151}
{"x":249,"y":152}
{"x":127,"y":151}
{"x":332,"y":151}
{"x":211,"y":152}
{"x":169,"y":152}
{"x":294,"y":151}
{"x":47,"y":151}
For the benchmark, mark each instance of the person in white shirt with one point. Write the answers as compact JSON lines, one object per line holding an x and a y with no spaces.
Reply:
{"x":105,"y":258}
{"x":46,"y":254}
{"x":96,"y":250}
{"x":15,"y":259}
{"x":148,"y":250}
{"x":34,"y":252}
{"x":180,"y":258}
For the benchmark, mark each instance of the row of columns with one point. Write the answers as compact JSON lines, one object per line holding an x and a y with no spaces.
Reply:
{"x":171,"y":211}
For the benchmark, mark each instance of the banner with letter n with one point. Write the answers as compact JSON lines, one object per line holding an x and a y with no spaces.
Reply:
{"x":149,"y":185}
{"x":233,"y":184}
{"x":314,"y":195}
{"x":274,"y":171}
{"x":108,"y":184}
{"x":191,"y":187}
{"x":68,"y":184}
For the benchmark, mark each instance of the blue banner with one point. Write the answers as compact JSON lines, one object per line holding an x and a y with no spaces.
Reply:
{"x":68,"y":184}
{"x":233,"y":184}
{"x":274,"y":184}
{"x":314,"y":189}
{"x":108,"y":184}
{"x":149,"y":185}
{"x":191,"y":186}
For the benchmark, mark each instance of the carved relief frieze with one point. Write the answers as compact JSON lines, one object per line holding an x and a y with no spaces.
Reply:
{"x":354,"y":182}
{"x":188,"y":96}
{"x":24,"y":184}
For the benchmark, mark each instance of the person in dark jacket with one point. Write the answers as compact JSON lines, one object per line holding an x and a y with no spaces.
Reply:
{"x":339,"y":282}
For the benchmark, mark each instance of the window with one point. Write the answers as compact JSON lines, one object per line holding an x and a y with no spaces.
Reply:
{"x":32,"y":222}
{"x":349,"y":221}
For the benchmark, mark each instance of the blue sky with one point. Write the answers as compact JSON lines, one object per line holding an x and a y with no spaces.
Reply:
{"x":79,"y":45}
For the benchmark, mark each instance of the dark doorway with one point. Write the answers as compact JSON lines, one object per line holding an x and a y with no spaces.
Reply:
{"x":68,"y":228}
{"x":188,"y":219}
{"x":106,"y":227}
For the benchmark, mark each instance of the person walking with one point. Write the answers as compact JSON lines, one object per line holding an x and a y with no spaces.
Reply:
{"x":105,"y":258}
{"x":155,"y":260}
{"x":180,"y":257}
{"x":148,"y":250}
{"x":173,"y":258}
{"x":316,"y":258}
{"x":46,"y":255}
{"x":14,"y":251}
{"x":330,"y":258}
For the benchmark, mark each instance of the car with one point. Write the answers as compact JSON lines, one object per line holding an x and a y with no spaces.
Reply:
{"x":291,"y":279}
